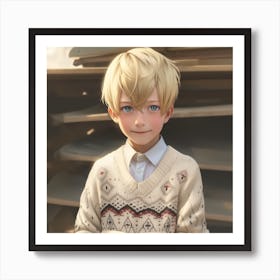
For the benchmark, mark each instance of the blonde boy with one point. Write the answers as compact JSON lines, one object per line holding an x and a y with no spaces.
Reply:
{"x":145,"y":185}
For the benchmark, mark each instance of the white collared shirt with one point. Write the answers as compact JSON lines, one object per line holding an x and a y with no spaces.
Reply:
{"x":141,"y":166}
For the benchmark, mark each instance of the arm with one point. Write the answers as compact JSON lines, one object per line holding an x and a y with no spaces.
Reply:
{"x":191,"y":207}
{"x":88,"y":217}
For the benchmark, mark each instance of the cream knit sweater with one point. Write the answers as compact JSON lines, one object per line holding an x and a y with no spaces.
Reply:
{"x":169,"y":200}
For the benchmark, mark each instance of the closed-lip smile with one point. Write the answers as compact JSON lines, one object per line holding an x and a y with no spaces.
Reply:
{"x":141,"y":132}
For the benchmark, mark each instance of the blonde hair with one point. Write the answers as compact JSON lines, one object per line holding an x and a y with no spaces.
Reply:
{"x":137,"y":73}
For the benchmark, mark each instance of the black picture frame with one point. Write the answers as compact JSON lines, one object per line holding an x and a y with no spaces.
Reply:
{"x":243,"y":36}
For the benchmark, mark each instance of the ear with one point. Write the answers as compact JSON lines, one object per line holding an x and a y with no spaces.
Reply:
{"x":168,"y":114}
{"x":113,"y":115}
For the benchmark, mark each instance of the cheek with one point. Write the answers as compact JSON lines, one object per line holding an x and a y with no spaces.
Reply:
{"x":157,"y":122}
{"x":124,"y":123}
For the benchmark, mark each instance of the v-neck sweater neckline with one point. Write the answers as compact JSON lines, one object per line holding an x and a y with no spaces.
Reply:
{"x":146,"y":186}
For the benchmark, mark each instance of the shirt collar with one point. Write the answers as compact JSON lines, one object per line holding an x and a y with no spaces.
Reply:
{"x":156,"y":152}
{"x":154,"y":155}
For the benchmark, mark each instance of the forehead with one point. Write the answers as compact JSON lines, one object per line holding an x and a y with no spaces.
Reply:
{"x":126,"y":99}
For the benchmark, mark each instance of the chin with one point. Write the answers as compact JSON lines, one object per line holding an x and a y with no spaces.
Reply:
{"x":141,"y":143}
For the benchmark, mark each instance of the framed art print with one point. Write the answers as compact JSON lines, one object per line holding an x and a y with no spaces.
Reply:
{"x":70,"y":130}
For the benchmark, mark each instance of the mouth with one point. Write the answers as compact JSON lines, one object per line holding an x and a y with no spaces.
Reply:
{"x":141,"y":132}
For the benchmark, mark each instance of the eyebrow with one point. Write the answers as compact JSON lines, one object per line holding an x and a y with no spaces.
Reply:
{"x":125,"y":102}
{"x":152,"y":101}
{"x":130,"y":103}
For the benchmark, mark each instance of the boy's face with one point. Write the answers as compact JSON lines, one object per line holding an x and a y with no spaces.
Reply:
{"x":141,"y":127}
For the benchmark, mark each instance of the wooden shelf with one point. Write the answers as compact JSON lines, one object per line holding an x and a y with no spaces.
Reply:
{"x":205,"y":68}
{"x":205,"y":58}
{"x":203,"y":111}
{"x":96,"y":113}
{"x":213,"y":157}
{"x":208,"y":141}
{"x":61,"y":219}
{"x":206,"y":85}
{"x":218,"y":204}
{"x":91,"y":114}
{"x":72,"y":72}
{"x":56,"y":73}
{"x":201,"y":127}
{"x":65,"y":188}
{"x":88,"y":151}
{"x":209,"y":156}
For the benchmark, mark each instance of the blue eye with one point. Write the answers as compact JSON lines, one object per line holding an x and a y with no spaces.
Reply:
{"x":154,"y":108}
{"x":126,"y":109}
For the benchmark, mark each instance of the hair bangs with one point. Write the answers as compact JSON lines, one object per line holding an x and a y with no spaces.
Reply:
{"x":136,"y":80}
{"x":137,"y":73}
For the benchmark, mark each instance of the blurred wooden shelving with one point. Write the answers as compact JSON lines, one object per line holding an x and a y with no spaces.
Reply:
{"x":80,"y":130}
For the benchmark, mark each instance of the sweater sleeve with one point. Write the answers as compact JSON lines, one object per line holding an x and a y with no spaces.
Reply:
{"x":191,"y":208}
{"x":88,"y":216}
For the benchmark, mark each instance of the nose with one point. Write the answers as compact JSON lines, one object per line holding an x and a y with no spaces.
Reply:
{"x":139,"y":119}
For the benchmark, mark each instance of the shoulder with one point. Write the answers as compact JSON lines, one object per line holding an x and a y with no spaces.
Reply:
{"x":185,"y":167}
{"x":182,"y":157}
{"x":183,"y":161}
{"x":108,"y":161}
{"x":104,"y":165}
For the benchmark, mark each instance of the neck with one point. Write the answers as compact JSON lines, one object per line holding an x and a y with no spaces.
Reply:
{"x":143,"y":148}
